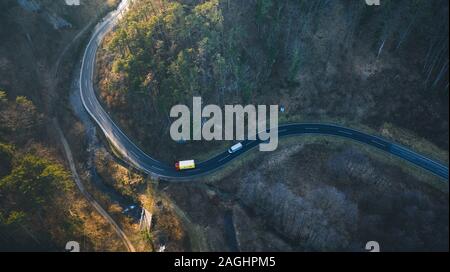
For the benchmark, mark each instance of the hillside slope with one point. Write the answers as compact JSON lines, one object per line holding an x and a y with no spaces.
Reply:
{"x":336,"y":61}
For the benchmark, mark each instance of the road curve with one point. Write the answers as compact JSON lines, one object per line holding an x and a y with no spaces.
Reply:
{"x":137,"y":158}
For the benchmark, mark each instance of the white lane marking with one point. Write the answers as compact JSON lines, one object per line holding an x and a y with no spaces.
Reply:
{"x":378,"y":143}
{"x":411,"y":153}
{"x":345,"y":132}
{"x":224,"y":158}
{"x":134,"y":154}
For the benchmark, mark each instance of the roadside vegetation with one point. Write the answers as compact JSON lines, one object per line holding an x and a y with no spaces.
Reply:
{"x":166,"y":227}
{"x":318,"y":195}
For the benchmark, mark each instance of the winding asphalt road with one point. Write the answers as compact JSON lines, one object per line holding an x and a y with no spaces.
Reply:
{"x":135,"y":156}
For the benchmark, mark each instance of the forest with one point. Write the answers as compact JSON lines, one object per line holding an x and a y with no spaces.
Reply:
{"x":262,"y":51}
{"x":40,"y":207}
{"x":32,"y":184}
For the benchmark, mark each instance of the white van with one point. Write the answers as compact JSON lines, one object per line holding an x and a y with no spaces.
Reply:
{"x":235,"y":148}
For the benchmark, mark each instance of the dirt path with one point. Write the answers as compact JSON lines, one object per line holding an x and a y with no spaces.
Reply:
{"x":67,"y":47}
{"x":86,"y":194}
